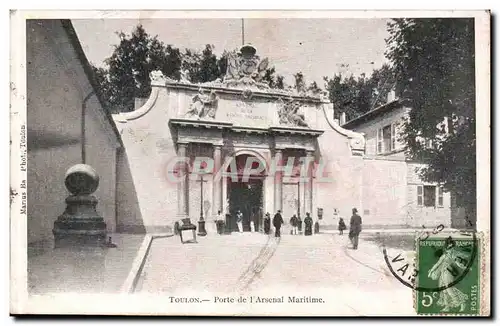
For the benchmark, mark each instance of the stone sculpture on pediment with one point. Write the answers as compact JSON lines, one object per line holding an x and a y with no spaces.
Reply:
{"x":203,"y":105}
{"x":185,"y":77}
{"x":288,"y":112}
{"x":157,"y":77}
{"x":246,"y":69}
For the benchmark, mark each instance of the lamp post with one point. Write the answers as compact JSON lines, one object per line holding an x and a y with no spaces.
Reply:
{"x":201,"y":223}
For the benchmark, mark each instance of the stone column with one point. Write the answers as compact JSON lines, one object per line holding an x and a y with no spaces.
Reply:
{"x":278,"y":181}
{"x":182,"y":186}
{"x":309,"y":185}
{"x":217,"y":181}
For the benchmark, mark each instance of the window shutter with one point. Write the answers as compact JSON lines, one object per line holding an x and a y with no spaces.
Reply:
{"x":420,"y":195}
{"x":393,"y":136}
{"x":440,"y":197}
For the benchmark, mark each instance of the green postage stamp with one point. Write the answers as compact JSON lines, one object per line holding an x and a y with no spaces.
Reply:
{"x":449,"y":273}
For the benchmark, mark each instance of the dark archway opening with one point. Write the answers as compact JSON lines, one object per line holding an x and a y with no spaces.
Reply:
{"x":246,"y":194}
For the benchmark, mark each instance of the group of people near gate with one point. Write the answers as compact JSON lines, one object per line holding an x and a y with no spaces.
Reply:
{"x":296,"y":223}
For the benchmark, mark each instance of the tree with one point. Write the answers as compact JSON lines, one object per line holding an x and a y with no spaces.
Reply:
{"x":203,"y":67}
{"x":127,"y":75}
{"x":280,"y":82}
{"x":314,"y":88}
{"x":127,"y":72}
{"x":274,"y":81}
{"x":106,"y":90}
{"x":382,"y":82}
{"x":356,"y":96}
{"x":433,"y":61}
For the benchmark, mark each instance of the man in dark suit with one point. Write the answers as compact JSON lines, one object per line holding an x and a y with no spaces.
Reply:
{"x":355,"y":228}
{"x":277,"y":222}
{"x":267,"y":223}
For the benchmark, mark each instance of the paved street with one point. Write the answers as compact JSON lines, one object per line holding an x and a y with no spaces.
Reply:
{"x":90,"y":270}
{"x":351,"y":282}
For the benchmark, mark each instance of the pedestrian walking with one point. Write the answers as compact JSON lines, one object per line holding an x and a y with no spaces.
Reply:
{"x":252,"y":221}
{"x":308,"y":221}
{"x":342,"y":226}
{"x":239,"y":220}
{"x":299,"y":224}
{"x":267,"y":223}
{"x":355,"y":228}
{"x":277,"y":222}
{"x":294,"y":223}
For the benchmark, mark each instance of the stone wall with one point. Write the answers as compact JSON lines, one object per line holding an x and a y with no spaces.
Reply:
{"x":148,"y":200}
{"x":100,"y":149}
{"x":420,"y":215}
{"x":344,"y":170}
{"x":384,"y":193}
{"x":56,"y":87}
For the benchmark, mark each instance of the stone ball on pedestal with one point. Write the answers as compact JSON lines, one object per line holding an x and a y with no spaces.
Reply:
{"x":81,"y":179}
{"x":80,"y":225}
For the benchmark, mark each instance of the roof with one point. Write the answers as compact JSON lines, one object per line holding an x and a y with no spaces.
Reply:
{"x":370,"y":115}
{"x":75,"y":42}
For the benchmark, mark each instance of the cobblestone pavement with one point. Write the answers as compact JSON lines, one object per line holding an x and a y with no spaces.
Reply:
{"x":356,"y":281}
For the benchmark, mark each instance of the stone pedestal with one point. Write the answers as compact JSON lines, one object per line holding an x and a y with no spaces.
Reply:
{"x":201,"y":228}
{"x":80,"y":225}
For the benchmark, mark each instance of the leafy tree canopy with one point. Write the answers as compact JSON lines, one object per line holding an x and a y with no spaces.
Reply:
{"x":433,"y":61}
{"x":358,"y":95}
{"x":126,"y":75}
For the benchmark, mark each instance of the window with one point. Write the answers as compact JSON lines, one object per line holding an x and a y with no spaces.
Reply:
{"x":386,"y":134}
{"x":430,"y":196}
{"x":386,"y":139}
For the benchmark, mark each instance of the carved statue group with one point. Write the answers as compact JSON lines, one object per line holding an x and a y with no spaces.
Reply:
{"x":288,"y":112}
{"x":203,"y":105}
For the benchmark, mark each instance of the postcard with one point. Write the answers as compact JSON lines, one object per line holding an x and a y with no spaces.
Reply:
{"x":250,"y":163}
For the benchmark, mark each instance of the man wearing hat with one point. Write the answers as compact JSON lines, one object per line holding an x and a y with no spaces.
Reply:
{"x":277,"y":222}
{"x":355,"y":228}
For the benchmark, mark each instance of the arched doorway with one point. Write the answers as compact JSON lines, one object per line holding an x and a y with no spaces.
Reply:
{"x":245,"y":190}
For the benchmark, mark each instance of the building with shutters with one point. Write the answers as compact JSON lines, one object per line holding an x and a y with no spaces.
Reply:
{"x":425,"y":203}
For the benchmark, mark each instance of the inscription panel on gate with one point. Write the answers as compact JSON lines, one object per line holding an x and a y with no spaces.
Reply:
{"x":245,"y":113}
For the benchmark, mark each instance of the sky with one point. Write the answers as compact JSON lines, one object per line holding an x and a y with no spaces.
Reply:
{"x":316,"y":47}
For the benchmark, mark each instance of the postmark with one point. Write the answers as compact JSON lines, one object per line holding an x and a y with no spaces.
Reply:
{"x":404,"y":265}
